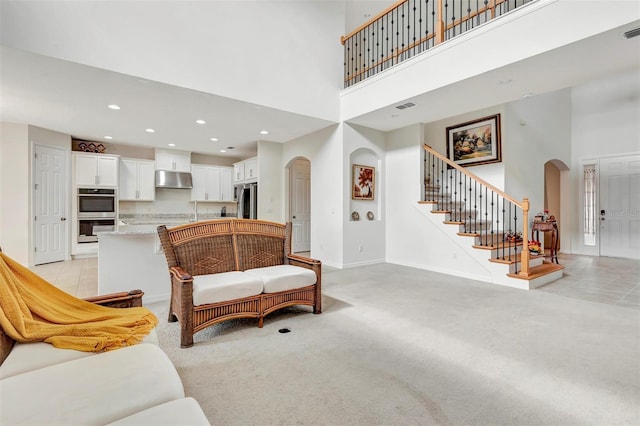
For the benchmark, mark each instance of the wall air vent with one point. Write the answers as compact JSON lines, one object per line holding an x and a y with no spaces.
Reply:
{"x":632,"y":33}
{"x":407,"y":105}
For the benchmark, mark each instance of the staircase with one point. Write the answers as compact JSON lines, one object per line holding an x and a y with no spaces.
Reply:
{"x":492,"y":222}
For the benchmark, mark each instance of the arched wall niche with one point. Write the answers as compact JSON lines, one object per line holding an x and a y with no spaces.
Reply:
{"x":363,"y":206}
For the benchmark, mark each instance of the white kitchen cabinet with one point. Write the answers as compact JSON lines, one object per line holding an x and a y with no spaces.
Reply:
{"x":251,"y":170}
{"x":226,"y":183}
{"x":95,"y":170}
{"x":168,"y":159}
{"x":238,"y":172}
{"x":137,"y":180}
{"x":206,"y":183}
{"x":246,"y":170}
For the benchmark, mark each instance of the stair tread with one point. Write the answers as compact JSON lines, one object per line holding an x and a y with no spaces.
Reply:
{"x":507,"y":261}
{"x":500,"y":245}
{"x":539,"y":271}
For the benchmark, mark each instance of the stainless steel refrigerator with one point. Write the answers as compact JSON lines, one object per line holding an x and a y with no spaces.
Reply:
{"x":247,"y":197}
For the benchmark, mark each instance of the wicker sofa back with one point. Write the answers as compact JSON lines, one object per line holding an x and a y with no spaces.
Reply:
{"x":227,"y":245}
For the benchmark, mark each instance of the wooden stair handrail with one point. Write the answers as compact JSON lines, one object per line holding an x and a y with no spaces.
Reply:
{"x":472,"y":176}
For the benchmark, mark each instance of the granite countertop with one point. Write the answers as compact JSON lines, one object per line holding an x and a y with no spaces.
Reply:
{"x":142,"y":224}
{"x":169,"y":219}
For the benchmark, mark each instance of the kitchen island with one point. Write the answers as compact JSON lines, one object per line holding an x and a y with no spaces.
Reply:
{"x":132,"y":258}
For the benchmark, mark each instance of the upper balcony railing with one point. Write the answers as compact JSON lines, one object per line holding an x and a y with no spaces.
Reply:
{"x":410,"y":27}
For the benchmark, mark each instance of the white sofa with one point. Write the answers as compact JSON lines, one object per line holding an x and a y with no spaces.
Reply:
{"x":136,"y":385}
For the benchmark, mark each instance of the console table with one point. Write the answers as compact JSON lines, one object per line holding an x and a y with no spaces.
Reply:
{"x":547,"y":227}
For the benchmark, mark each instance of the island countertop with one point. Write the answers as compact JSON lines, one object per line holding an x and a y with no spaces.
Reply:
{"x":149,"y":225}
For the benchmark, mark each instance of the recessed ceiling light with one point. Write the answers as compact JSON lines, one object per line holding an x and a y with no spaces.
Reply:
{"x":200,"y":121}
{"x":264,"y":132}
{"x":108,"y":137}
{"x":214,"y":139}
{"x":114,"y":106}
{"x":223,"y":150}
{"x":172,"y":144}
{"x":149,"y":130}
{"x":527,"y":95}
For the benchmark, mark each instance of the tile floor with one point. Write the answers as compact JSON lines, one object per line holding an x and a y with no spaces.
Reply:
{"x":596,"y":279}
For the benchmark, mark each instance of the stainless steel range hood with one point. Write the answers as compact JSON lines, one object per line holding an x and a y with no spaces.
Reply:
{"x":170,"y":179}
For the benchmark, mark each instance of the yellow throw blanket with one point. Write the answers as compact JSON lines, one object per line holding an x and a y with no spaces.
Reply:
{"x":33,"y":310}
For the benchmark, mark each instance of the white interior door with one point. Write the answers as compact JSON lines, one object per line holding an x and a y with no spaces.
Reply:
{"x":620,"y":207}
{"x":301,"y":206}
{"x":50,"y":221}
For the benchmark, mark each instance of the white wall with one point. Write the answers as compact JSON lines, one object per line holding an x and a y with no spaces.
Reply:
{"x":282,"y":54}
{"x":324,"y":149}
{"x":271,"y":202}
{"x":14,"y":192}
{"x":537,"y":130}
{"x":412,"y":238}
{"x":605,"y":122}
{"x":364,"y":240}
{"x":16,"y":204}
{"x":435,"y":135}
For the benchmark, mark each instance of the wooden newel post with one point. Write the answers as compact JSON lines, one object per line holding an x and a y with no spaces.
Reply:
{"x":439,"y":24}
{"x":525,"y":237}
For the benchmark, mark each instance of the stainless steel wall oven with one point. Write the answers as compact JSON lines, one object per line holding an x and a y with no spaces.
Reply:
{"x":96,"y":212}
{"x":96,"y":202}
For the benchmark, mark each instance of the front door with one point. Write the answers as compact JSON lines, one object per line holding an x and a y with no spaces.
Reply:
{"x":620,"y":206}
{"x":50,"y":221}
{"x":301,"y":206}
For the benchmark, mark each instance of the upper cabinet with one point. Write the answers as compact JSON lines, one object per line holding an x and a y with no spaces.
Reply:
{"x":137,"y":180}
{"x":211,"y":183}
{"x":95,"y":170}
{"x":169,"y":159}
{"x":246,"y":170}
{"x":226,"y":183}
{"x":206,"y":183}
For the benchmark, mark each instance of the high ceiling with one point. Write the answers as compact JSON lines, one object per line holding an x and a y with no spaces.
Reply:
{"x":73,"y":99}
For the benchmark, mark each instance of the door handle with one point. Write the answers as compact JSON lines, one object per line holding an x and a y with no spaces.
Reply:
{"x":294,"y":217}
{"x":62,"y":219}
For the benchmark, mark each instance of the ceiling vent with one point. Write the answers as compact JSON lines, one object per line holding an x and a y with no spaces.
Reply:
{"x":407,"y":105}
{"x":632,"y":33}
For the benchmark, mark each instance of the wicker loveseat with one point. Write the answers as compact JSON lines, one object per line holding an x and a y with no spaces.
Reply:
{"x":235,"y":268}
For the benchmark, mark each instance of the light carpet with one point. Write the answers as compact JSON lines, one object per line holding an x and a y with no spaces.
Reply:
{"x":402,"y":346}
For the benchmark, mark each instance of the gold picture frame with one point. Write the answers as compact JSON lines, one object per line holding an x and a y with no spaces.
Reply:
{"x":475,"y":142}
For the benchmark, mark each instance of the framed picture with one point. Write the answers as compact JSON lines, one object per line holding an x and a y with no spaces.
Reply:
{"x":475,"y":142}
{"x":363,"y":182}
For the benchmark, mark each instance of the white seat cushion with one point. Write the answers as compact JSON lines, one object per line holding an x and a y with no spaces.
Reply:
{"x":184,"y":412}
{"x":97,"y":389}
{"x":283,"y":277}
{"x":224,"y":286}
{"x":26,"y":357}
